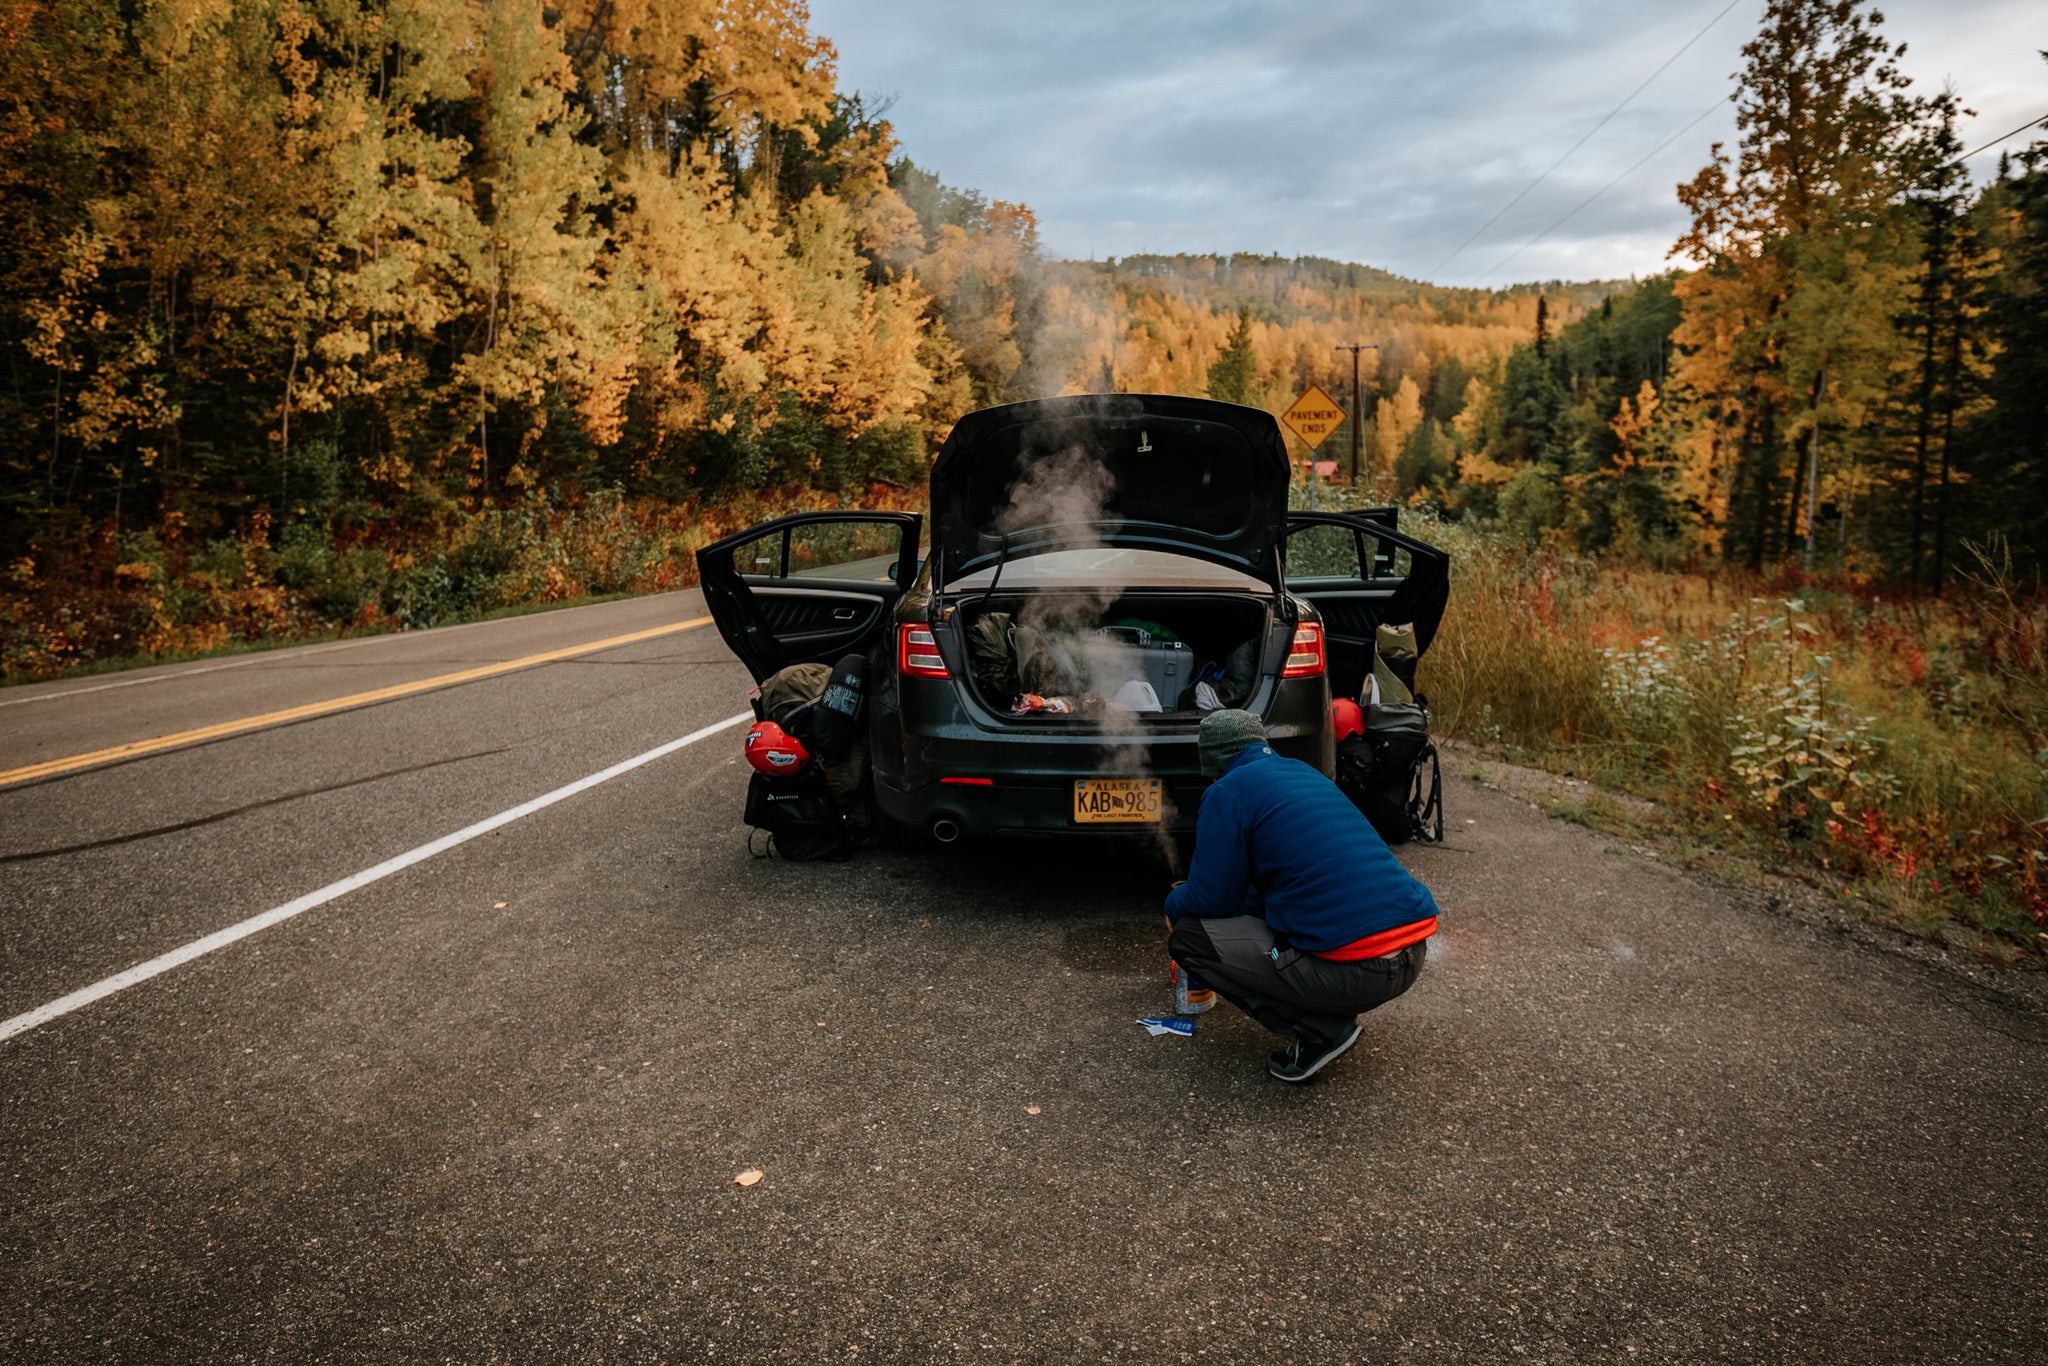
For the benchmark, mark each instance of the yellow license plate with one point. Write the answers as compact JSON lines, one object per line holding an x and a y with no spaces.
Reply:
{"x":1112,"y":801}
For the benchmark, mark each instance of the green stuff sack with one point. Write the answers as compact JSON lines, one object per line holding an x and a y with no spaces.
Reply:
{"x":1042,"y":667}
{"x":1393,"y":664}
{"x":992,"y":658}
{"x":1152,"y":629}
{"x":787,"y":693}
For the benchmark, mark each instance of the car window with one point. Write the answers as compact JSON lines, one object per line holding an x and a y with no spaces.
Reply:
{"x":1113,"y":565}
{"x":760,"y":556}
{"x":1323,"y":550}
{"x":1387,"y":560}
{"x":842,"y":550}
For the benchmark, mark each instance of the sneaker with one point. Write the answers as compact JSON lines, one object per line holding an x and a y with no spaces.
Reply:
{"x":1299,"y":1061}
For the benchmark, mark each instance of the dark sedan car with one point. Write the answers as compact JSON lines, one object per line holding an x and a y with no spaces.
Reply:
{"x":1155,"y":528}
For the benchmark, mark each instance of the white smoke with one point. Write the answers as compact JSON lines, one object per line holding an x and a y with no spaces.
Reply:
{"x":1075,"y":490}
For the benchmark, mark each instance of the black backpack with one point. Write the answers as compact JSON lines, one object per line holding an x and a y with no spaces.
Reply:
{"x":798,"y":814}
{"x":1392,"y":774}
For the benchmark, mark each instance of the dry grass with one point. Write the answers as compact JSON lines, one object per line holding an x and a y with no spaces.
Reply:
{"x":1895,"y":747}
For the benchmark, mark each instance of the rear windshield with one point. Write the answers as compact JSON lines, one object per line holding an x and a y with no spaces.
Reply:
{"x":1111,"y":566}
{"x":1165,"y":471}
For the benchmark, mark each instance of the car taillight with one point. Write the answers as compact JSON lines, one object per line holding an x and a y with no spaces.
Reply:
{"x":917,"y":653}
{"x":1305,"y":655}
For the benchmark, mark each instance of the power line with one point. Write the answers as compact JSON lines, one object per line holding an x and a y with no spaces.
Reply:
{"x":1507,"y":260}
{"x":1907,"y":185}
{"x":2030,"y":123}
{"x":1584,"y":140}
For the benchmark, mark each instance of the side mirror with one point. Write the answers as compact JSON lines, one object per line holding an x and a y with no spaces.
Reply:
{"x":895,"y":571}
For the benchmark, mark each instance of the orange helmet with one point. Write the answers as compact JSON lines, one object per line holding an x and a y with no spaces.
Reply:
{"x":774,"y":751}
{"x":1347,"y":719}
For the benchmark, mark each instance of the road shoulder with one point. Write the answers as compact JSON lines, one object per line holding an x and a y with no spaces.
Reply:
{"x":1962,"y":958}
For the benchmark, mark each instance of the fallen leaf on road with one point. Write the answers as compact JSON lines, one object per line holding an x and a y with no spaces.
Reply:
{"x":751,"y":1176}
{"x":1031,"y":1110}
{"x":500,"y":905}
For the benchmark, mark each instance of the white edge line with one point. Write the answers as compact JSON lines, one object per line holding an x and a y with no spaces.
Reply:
{"x":220,"y":939}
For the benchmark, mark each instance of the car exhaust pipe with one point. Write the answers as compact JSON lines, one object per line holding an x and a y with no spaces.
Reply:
{"x":945,"y":829}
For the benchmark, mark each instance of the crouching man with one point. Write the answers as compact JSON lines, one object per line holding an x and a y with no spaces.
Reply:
{"x":1294,"y":910}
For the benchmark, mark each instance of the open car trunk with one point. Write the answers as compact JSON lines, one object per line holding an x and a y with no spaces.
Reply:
{"x":1090,"y":662}
{"x":1187,"y":476}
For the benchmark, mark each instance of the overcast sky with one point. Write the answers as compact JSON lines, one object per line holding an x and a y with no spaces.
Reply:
{"x":1379,"y":131}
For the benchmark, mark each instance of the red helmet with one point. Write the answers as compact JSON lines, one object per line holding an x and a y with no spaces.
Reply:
{"x":1347,"y":719}
{"x":774,"y":751}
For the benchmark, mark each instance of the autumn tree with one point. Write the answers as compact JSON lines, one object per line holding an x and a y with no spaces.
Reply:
{"x":1802,"y":254}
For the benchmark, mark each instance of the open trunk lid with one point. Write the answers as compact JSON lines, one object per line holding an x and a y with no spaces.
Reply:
{"x":1146,"y":471}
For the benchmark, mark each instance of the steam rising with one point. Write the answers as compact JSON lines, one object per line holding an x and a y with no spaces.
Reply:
{"x":1074,"y":488}
{"x":1069,"y":489}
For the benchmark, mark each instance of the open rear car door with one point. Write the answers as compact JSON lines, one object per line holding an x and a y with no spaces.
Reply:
{"x":809,"y":588}
{"x":1360,"y":573}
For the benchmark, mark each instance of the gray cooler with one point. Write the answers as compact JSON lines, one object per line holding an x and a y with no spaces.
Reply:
{"x":1119,"y":653}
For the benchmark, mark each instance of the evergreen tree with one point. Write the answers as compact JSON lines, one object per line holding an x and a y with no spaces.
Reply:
{"x":1234,"y":375}
{"x":1804,"y":256}
{"x":1944,"y":306}
{"x":1424,"y":466}
{"x":2012,"y":461}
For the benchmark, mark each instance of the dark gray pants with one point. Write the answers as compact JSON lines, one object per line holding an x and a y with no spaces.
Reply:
{"x":1291,"y":992}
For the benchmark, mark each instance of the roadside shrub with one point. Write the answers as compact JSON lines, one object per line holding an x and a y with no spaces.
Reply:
{"x":1802,"y":755}
{"x":1895,"y":746}
{"x":150,"y":594}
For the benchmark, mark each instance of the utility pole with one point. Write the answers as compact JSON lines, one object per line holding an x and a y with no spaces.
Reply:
{"x":1357,"y":420}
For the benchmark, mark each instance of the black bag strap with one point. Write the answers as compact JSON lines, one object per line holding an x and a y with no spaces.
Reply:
{"x":1426,"y":811}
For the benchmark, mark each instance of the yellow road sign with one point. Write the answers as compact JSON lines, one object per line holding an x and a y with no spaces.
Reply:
{"x":1313,"y":417}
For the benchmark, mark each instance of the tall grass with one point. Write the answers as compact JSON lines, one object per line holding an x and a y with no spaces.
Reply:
{"x":1896,"y":745}
{"x":1890,"y":743}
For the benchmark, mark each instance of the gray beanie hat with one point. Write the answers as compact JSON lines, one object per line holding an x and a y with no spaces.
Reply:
{"x":1225,"y":735}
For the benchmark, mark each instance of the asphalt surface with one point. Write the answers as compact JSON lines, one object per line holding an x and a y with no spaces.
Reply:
{"x":1624,"y":1115}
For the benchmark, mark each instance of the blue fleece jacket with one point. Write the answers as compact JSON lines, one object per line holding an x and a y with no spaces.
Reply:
{"x":1275,"y":838}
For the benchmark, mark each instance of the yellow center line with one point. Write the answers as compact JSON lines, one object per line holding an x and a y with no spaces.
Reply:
{"x":332,"y":704}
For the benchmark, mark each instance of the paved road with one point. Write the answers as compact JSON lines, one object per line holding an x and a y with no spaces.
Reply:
{"x":1623,"y":1116}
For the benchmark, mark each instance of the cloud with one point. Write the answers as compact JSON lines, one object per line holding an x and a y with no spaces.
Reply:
{"x":1382,"y":133}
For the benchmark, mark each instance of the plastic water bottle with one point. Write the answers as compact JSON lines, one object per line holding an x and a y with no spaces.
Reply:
{"x":1190,"y":997}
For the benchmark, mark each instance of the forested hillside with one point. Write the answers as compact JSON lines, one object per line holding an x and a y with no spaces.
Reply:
{"x":338,"y":313}
{"x":322,"y":315}
{"x":1853,"y":373}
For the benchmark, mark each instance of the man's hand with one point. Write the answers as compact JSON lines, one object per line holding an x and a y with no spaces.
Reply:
{"x":1169,"y":919}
